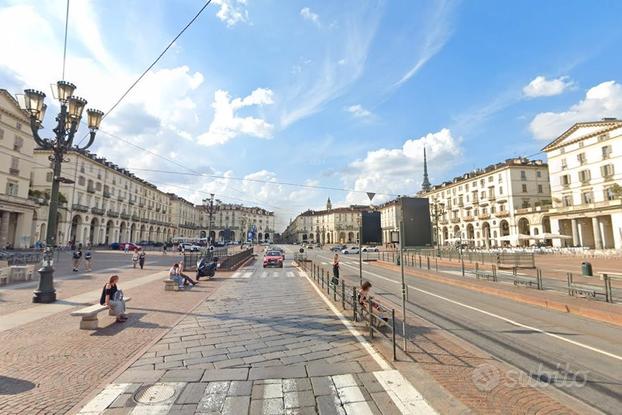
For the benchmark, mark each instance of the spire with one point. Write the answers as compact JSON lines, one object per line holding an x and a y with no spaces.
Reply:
{"x":425,"y":186}
{"x":329,"y":205}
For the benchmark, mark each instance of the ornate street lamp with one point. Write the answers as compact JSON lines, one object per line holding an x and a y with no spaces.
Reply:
{"x":68,"y":121}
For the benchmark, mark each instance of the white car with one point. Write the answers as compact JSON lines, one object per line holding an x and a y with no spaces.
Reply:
{"x":370,"y":249}
{"x":191,"y":247}
{"x":351,"y":250}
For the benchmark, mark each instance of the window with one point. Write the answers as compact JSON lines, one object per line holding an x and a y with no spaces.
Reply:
{"x":525,"y":203}
{"x":565,"y":180}
{"x":607,"y":170}
{"x":606,"y":151}
{"x":48,"y":177}
{"x":500,"y":190}
{"x":538,"y":174}
{"x":564,"y":164}
{"x":14,"y":170}
{"x":98,"y":186}
{"x":524,"y":188}
{"x":523,"y":175}
{"x":562,"y":150}
{"x":500,"y":178}
{"x":491,"y":179}
{"x":482,"y":196}
{"x":82,"y":168}
{"x":81,"y":180}
{"x":567,"y":200}
{"x":18,"y":144}
{"x":585,"y":176}
{"x":18,"y":125}
{"x":11,"y":188}
{"x":587,"y":197}
{"x":609,"y":195}
{"x":540,"y":189}
{"x":581,"y":158}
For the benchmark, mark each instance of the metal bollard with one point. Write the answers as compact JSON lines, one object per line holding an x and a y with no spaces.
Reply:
{"x":354,"y":303}
{"x":371,"y":317}
{"x":322,"y":278}
{"x":428,"y":259}
{"x":393,"y":334}
{"x":335,"y":284}
{"x":419,"y":261}
{"x":608,"y":290}
{"x":436,"y":263}
{"x":539,"y":278}
{"x":343,"y":295}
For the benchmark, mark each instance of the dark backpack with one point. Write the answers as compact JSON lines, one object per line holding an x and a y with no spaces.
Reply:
{"x":102,"y":299}
{"x":77,"y":254}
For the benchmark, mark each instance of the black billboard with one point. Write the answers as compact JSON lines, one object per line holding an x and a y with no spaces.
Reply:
{"x":417,"y":225}
{"x":372,"y":231}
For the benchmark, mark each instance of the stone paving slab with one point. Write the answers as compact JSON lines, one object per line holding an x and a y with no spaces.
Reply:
{"x":270,"y":345}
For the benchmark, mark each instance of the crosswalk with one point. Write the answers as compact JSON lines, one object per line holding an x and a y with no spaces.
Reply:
{"x":265,"y":274}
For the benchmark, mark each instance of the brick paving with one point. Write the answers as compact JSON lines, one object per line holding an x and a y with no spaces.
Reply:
{"x":49,"y":365}
{"x":264,"y":343}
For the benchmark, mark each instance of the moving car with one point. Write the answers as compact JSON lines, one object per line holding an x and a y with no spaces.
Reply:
{"x":370,"y":249}
{"x":190,"y":247}
{"x":338,"y":248}
{"x":351,"y":250}
{"x":273,"y":259}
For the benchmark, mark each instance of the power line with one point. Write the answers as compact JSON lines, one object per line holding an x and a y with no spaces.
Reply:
{"x":65,"y":46}
{"x":196,"y":16}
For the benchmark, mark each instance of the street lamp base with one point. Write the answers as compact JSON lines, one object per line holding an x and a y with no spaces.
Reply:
{"x":45,"y":292}
{"x":43,"y":297}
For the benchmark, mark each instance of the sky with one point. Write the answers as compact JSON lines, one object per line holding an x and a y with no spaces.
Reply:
{"x":339,"y":96}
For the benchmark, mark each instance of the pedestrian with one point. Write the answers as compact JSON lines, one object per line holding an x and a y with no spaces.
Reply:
{"x":176,"y":274}
{"x":364,"y":298}
{"x":164,"y":249}
{"x":336,"y":270}
{"x":126,"y":249}
{"x":77,"y":255}
{"x":141,"y":258}
{"x":135,"y":258}
{"x":112,"y":296}
{"x":88,"y":260}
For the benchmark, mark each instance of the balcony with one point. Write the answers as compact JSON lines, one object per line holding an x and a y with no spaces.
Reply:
{"x":80,"y":208}
{"x":468,"y":218}
{"x":112,"y":213}
{"x":13,"y":171}
{"x":502,"y":214}
{"x":120,"y":198}
{"x":460,"y":203}
{"x":443,"y":222}
{"x":476,"y":201}
{"x":157,"y":209}
{"x":90,"y":189}
{"x":455,"y":220}
{"x":483,"y":216}
{"x":107,"y":194}
{"x":492,"y":197}
{"x":135,"y":218}
{"x":97,"y":211}
{"x":141,"y":204}
{"x":125,"y":216}
{"x":131,"y":202}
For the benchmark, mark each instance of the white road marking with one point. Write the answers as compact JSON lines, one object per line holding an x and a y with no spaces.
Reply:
{"x":507,"y":320}
{"x":264,"y":274}
{"x":374,"y":354}
{"x":290,"y":274}
{"x":236,"y":275}
{"x":350,"y":395}
{"x":104,"y":398}
{"x":403,"y":394}
{"x":247,"y":274}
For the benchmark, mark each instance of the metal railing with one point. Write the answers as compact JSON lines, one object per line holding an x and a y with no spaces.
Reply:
{"x":372,"y":312}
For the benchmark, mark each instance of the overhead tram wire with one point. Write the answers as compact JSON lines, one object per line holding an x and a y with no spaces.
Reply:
{"x":116,"y":104}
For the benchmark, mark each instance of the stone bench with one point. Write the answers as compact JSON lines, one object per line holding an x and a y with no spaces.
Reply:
{"x":170,"y":285}
{"x":89,"y":314}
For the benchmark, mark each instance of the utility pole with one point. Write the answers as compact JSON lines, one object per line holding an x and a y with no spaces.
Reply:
{"x":211,"y":213}
{"x":361,"y":249}
{"x":402,"y":240}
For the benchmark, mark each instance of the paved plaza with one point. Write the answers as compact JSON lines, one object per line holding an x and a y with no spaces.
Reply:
{"x":264,"y":343}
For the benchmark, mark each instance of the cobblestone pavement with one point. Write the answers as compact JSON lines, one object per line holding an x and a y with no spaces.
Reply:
{"x":264,"y":343}
{"x":47,"y":366}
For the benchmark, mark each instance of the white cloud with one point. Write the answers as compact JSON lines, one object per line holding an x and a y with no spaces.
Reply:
{"x":226,"y":125}
{"x":542,"y":87}
{"x":358,"y":111}
{"x":307,"y":14}
{"x":437,"y":32}
{"x":232,"y":12}
{"x":400,"y":170}
{"x":602,"y":100}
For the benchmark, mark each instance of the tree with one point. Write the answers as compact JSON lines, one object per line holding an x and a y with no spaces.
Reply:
{"x":616,"y":189}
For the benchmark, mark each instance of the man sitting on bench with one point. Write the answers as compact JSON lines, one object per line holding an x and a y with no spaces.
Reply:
{"x":176,"y":275}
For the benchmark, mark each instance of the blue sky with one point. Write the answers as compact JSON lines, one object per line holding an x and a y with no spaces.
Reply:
{"x":338,"y":94}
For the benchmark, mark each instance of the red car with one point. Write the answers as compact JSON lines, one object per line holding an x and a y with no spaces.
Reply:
{"x":273,"y":259}
{"x":131,"y":246}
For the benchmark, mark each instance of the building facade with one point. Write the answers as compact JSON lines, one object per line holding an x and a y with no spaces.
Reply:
{"x":328,"y":226}
{"x":16,"y":160}
{"x":233,"y":222}
{"x":501,"y":205}
{"x":585,"y":164}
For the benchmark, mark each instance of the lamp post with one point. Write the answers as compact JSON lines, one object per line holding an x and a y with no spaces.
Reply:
{"x":439,"y":211}
{"x":211,"y":212}
{"x":68,"y":121}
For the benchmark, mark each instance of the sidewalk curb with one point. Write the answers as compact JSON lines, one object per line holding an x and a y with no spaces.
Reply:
{"x":561,"y":306}
{"x":111,"y":377}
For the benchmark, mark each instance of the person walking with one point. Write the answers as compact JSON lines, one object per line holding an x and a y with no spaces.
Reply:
{"x":141,"y":258}
{"x":112,"y":296}
{"x":88,"y":260}
{"x":164,"y":249}
{"x":135,"y":258}
{"x":77,"y":256}
{"x":336,"y":270}
{"x":126,"y":249}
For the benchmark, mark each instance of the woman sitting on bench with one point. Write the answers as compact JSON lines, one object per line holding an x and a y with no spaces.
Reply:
{"x":112,"y":296}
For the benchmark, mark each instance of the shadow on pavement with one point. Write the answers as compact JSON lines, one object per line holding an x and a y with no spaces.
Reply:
{"x":134,"y":321}
{"x":13,"y":386}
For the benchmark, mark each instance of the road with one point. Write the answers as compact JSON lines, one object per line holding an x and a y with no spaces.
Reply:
{"x":548,"y":346}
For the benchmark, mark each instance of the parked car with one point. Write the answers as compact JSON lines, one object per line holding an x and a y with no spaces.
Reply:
{"x":338,"y":248}
{"x":370,"y":249}
{"x":130,"y":246}
{"x":273,"y":259}
{"x":351,"y":250}
{"x":115,"y":246}
{"x":189,"y":247}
